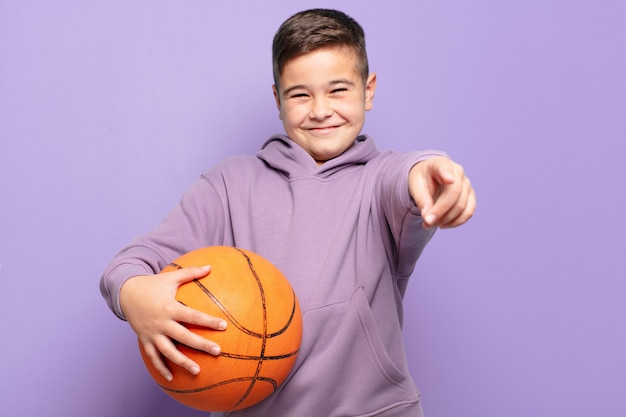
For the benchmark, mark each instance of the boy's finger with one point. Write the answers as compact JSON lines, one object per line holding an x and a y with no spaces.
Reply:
{"x":157,"y":361}
{"x":189,"y":274}
{"x":196,"y":317}
{"x":428,"y":185}
{"x":168,"y":350}
{"x":422,"y":197}
{"x":444,"y":200}
{"x":462,"y":209}
{"x":443,"y":170}
{"x":195,"y":341}
{"x":465,"y":214}
{"x":449,"y":198}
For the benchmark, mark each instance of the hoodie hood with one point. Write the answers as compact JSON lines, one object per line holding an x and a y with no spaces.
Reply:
{"x":285,"y":155}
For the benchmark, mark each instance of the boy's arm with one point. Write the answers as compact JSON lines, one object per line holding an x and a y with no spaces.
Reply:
{"x":195,"y":222}
{"x":146,"y":300}
{"x":442,"y":192}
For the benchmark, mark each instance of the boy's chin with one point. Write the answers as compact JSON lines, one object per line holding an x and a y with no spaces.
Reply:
{"x":328,"y":155}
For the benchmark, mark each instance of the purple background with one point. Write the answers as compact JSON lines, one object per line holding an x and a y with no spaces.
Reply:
{"x":110,"y":109}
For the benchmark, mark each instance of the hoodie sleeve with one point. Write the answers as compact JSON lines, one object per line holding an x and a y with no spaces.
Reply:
{"x":401,"y":216}
{"x":196,"y":221}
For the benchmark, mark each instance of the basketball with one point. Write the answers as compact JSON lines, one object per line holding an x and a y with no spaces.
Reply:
{"x":260,"y":344}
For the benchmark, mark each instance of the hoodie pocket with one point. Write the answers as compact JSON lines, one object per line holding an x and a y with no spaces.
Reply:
{"x":376,"y":345}
{"x":343,"y":368}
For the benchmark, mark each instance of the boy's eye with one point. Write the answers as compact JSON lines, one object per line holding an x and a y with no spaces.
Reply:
{"x":298,"y":95}
{"x":339,"y":90}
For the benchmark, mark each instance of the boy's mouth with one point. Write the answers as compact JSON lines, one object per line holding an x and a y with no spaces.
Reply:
{"x":322,"y":130}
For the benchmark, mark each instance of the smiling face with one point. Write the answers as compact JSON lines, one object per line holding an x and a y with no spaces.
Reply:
{"x":322,"y":99}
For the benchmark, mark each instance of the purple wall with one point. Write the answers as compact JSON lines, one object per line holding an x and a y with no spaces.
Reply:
{"x":109,"y":109}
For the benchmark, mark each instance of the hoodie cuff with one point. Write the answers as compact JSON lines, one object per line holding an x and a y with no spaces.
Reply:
{"x":112,"y":282}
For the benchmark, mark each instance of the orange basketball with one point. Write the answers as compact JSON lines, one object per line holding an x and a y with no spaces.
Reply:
{"x":260,"y":344}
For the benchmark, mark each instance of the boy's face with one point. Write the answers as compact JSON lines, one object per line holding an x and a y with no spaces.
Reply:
{"x":322,"y":101}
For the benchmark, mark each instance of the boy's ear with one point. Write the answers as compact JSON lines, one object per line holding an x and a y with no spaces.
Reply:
{"x":370,"y":89}
{"x":276,"y":96}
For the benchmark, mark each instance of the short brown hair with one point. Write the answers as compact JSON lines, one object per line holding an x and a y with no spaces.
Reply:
{"x":314,"y":29}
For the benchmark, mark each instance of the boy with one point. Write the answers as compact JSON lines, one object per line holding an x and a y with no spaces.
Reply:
{"x":344,"y":222}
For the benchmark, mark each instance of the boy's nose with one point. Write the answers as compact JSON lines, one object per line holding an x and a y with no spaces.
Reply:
{"x":320,"y":109}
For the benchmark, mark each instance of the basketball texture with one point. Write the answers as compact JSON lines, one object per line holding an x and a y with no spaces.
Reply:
{"x":260,"y":344}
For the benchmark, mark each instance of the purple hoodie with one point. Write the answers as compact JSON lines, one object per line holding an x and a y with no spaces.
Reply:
{"x":346,"y":234}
